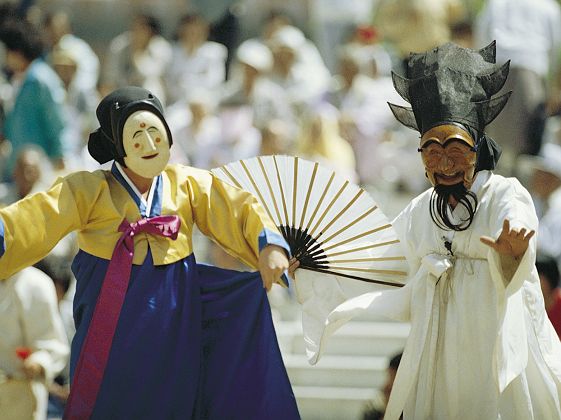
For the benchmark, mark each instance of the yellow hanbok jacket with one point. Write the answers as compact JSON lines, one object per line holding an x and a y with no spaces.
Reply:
{"x":95,"y":203}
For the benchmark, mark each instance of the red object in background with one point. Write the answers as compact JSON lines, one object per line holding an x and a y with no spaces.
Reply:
{"x":23,"y":352}
{"x":367,"y":34}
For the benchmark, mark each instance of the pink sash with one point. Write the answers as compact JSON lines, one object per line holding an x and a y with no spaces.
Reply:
{"x":97,"y":344}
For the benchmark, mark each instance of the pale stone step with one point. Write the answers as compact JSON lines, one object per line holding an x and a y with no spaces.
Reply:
{"x":337,"y":371}
{"x":355,"y":338}
{"x":332,"y":403}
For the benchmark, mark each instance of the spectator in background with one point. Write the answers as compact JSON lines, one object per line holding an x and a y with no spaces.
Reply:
{"x":354,"y":82}
{"x":32,"y":172}
{"x":548,"y":271}
{"x":58,"y":29}
{"x":254,"y":88}
{"x":197,"y":63}
{"x":545,"y":187}
{"x":375,"y":409}
{"x":275,"y":138}
{"x":138,"y":57}
{"x":416,"y":25}
{"x":33,"y":346}
{"x":528,"y":32}
{"x":197,"y":131}
{"x":58,"y":269}
{"x":298,"y":68}
{"x":275,"y":21}
{"x":361,"y":97}
{"x":366,"y":39}
{"x":321,"y":141}
{"x":35,"y":113}
{"x":79,"y":104}
{"x":239,"y":136}
{"x":462,"y":33}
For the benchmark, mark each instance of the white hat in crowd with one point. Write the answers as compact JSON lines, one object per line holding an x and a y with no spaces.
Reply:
{"x":549,"y":159}
{"x":255,"y":54}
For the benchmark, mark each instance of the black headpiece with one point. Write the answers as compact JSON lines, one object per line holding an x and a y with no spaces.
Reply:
{"x":451,"y":84}
{"x":106,"y":143}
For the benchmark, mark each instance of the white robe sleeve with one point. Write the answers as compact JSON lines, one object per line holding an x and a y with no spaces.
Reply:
{"x":512,"y":202}
{"x":328,"y":302}
{"x":42,"y":326}
{"x":319,"y":294}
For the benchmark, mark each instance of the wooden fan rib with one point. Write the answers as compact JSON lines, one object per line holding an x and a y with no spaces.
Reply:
{"x":231,"y":177}
{"x":294,"y":190}
{"x":357,"y":236}
{"x":333,"y":200}
{"x":354,"y":222}
{"x":308,"y":194}
{"x":320,"y":202}
{"x":400,"y":258}
{"x":350,"y":276}
{"x":281,"y":190}
{"x":349,"y":204}
{"x":259,"y":159}
{"x":254,"y":184}
{"x":360,"y":248}
{"x":370,"y":270}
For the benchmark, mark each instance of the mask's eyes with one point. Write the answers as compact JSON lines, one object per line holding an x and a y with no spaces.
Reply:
{"x":457,"y":148}
{"x":456,"y":151}
{"x":431,"y":154}
{"x":155,"y":133}
{"x":432,"y":149}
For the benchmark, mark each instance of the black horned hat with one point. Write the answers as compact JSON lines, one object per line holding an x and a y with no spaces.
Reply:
{"x":452,"y":84}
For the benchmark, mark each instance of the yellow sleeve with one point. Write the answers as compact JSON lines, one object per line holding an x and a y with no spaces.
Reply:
{"x":31,"y":227}
{"x":232,"y":217}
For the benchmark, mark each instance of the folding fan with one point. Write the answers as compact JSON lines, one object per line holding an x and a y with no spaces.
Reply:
{"x":331,"y":225}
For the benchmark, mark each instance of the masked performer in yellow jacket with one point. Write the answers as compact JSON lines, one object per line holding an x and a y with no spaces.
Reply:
{"x":158,"y":335}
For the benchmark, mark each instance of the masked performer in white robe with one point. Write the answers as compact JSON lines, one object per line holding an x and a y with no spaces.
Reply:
{"x":481,"y":345}
{"x":158,"y":336}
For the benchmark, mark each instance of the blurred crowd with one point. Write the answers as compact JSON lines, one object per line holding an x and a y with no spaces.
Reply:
{"x":270,"y":94}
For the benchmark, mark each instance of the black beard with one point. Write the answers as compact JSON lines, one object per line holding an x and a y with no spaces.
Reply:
{"x":439,"y":203}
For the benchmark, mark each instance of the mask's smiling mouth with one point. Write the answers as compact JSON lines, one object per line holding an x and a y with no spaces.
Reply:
{"x":150,"y":156}
{"x":449,"y":179}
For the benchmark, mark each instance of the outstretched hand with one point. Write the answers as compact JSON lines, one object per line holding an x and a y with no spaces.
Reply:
{"x":272,"y":263}
{"x":511,"y":242}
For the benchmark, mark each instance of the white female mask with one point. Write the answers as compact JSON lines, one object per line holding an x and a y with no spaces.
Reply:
{"x":146,"y":144}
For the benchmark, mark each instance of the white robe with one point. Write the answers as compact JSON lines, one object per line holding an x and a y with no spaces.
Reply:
{"x":477,"y":349}
{"x":29,"y":317}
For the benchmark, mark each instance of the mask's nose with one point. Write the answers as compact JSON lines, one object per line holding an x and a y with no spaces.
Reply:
{"x":149,"y":143}
{"x":445,"y":163}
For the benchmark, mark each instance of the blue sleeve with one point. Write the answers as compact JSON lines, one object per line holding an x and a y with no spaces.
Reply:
{"x":268,"y":237}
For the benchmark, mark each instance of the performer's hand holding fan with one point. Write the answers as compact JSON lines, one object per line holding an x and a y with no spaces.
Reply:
{"x":345,"y":244}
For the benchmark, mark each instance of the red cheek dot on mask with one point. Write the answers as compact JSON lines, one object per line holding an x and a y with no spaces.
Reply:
{"x":158,"y":139}
{"x":142,"y":125}
{"x":137,"y":145}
